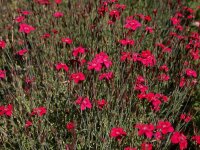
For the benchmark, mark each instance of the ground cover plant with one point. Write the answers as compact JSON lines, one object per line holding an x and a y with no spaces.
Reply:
{"x":99,"y":75}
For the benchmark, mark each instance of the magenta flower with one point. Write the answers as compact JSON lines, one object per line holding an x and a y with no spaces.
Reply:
{"x":40,"y":111}
{"x":25,"y":28}
{"x":179,"y":138}
{"x":2,"y":44}
{"x":84,"y":103}
{"x":22,"y":52}
{"x":132,"y":24}
{"x":2,"y":74}
{"x":146,"y":129}
{"x":67,"y":40}
{"x":6,"y":110}
{"x":63,"y":66}
{"x":77,"y":77}
{"x":58,"y":14}
{"x":117,"y":133}
{"x":165,"y":127}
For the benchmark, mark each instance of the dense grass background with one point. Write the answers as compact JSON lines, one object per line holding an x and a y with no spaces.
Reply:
{"x":57,"y":92}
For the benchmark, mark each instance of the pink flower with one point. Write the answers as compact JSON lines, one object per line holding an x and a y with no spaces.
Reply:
{"x":149,"y":29}
{"x":182,"y":82}
{"x":146,"y":129}
{"x":146,"y":146}
{"x":25,"y":12}
{"x":191,"y":73}
{"x":58,"y":14}
{"x":117,"y":133}
{"x":19,"y":19}
{"x":70,"y":126}
{"x":22,"y":52}
{"x":125,"y":56}
{"x":77,"y":77}
{"x":125,"y":42}
{"x":94,"y":65}
{"x":114,"y":14}
{"x":60,"y":66}
{"x":158,"y":135}
{"x":58,"y":1}
{"x":28,"y":124}
{"x":78,"y":50}
{"x":132,"y":24}
{"x":164,"y":68}
{"x":6,"y":110}
{"x":106,"y":76}
{"x":101,"y":103}
{"x":163,"y":77}
{"x":67,"y":40}
{"x":84,"y":103}
{"x":165,"y":127}
{"x":179,"y":138}
{"x":2,"y":74}
{"x":175,"y":21}
{"x":130,"y":148}
{"x":25,"y":28}
{"x":185,"y":118}
{"x":146,"y":58}
{"x":46,"y":36}
{"x":39,"y":111}
{"x":196,"y":138}
{"x":99,"y":60}
{"x":2,"y":44}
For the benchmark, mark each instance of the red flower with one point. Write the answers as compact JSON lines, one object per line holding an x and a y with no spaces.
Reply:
{"x":78,"y":50}
{"x":58,"y":14}
{"x":84,"y":103}
{"x":196,"y":138}
{"x":25,"y":28}
{"x":165,"y":127}
{"x":146,"y":58}
{"x":77,"y":77}
{"x":28,"y":124}
{"x":58,"y":1}
{"x":60,"y":66}
{"x":40,"y":111}
{"x":2,"y":44}
{"x":19,"y":19}
{"x":46,"y":35}
{"x":101,"y":103}
{"x":125,"y":56}
{"x":163,"y":77}
{"x":175,"y":21}
{"x":25,"y":12}
{"x":99,"y":60}
{"x":132,"y":24}
{"x":182,"y":82}
{"x":164,"y":68}
{"x":106,"y":76}
{"x":70,"y":126}
{"x":6,"y":110}
{"x":146,"y":129}
{"x":67,"y":40}
{"x":125,"y":42}
{"x":130,"y":148}
{"x":146,"y":146}
{"x":22,"y":52}
{"x":185,"y":118}
{"x":191,"y":73}
{"x":2,"y":74}
{"x":149,"y":29}
{"x":117,"y":133}
{"x":179,"y":138}
{"x":114,"y":14}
